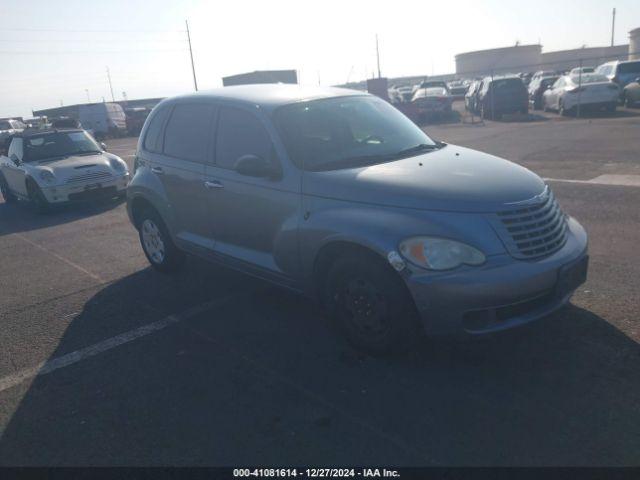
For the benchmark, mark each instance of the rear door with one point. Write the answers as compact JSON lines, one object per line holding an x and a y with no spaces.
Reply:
{"x":185,"y":148}
{"x":254,"y":219}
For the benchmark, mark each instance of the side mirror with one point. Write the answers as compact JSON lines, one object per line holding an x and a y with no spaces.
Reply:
{"x":103,"y":146}
{"x":254,"y":166}
{"x":14,"y":158}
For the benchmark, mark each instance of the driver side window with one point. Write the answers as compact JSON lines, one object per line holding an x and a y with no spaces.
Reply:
{"x":240,"y":133}
{"x":16,"y":148}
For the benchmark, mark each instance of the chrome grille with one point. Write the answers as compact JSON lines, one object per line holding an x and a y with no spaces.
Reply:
{"x":89,"y":177}
{"x":533,"y":229}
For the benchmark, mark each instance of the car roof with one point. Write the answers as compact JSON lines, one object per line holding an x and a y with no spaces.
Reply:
{"x":268,"y":96}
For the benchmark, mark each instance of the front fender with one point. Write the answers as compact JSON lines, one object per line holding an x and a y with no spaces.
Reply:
{"x":381,"y":229}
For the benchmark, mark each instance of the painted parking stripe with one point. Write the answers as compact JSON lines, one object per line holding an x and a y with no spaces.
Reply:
{"x":60,"y":257}
{"x":63,"y":361}
{"x":608,"y":179}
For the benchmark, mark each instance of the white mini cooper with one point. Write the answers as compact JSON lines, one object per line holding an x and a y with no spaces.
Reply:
{"x":47,"y":167}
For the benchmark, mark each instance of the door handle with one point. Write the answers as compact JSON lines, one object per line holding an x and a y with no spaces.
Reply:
{"x":157,"y":170}
{"x":213,"y":184}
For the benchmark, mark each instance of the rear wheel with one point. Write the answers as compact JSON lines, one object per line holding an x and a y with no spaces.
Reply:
{"x":156,"y":243}
{"x":370,"y":304}
{"x":627,"y":101}
{"x":6,"y":192}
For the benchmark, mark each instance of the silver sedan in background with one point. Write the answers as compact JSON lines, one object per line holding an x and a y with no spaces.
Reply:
{"x":591,"y":91}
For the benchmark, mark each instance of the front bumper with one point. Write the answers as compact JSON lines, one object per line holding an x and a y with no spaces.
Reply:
{"x":60,"y":194}
{"x":502,"y":294}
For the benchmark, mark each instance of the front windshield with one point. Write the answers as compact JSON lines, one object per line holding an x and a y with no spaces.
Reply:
{"x":346,"y":132}
{"x":58,"y":144}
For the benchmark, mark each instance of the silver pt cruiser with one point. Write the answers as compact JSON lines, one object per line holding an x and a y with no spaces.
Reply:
{"x":336,"y":194}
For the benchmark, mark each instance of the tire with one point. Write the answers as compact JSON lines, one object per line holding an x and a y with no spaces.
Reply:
{"x":628,"y":102}
{"x":6,"y":193}
{"x":370,"y":304}
{"x":156,"y":243}
{"x":561,"y":109}
{"x":37,"y":200}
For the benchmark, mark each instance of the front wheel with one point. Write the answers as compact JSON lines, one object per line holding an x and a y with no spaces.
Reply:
{"x":157,"y":245}
{"x":36,"y":198}
{"x":370,"y":304}
{"x":627,"y":101}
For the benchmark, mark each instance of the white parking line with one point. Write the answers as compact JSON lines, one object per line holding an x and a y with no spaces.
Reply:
{"x":52,"y":365}
{"x":61,"y":258}
{"x":608,"y":179}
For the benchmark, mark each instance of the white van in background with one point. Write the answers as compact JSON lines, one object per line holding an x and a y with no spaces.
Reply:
{"x":103,"y":119}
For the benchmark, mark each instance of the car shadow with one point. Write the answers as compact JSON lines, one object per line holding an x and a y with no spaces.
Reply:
{"x":19,"y":217}
{"x":260,"y":379}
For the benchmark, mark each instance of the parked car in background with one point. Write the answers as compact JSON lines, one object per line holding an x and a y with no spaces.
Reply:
{"x":537,"y":87}
{"x":37,"y":122}
{"x":10,"y":127}
{"x":631,"y":93}
{"x":579,"y":70}
{"x":432,"y":83}
{"x":619,"y":72}
{"x":502,"y":95}
{"x":457,"y":88}
{"x":405,"y":92}
{"x":471,"y":97}
{"x":591,"y":91}
{"x":526,"y":77}
{"x":544,"y":73}
{"x":136,"y":117}
{"x":53,"y":167}
{"x":432,"y":101}
{"x":103,"y":119}
{"x":336,"y":194}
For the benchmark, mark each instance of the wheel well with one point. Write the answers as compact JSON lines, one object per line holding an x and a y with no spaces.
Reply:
{"x":329,"y":253}
{"x":139,"y":205}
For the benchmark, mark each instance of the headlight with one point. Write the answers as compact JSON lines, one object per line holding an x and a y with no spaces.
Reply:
{"x":47,"y":177}
{"x":439,"y":253}
{"x":118,"y":165}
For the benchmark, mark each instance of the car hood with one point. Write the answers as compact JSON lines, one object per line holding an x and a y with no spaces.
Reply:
{"x":67,"y":167}
{"x":453,"y":179}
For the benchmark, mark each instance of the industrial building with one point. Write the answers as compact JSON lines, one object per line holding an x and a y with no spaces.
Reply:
{"x":498,"y":60}
{"x":261,"y":76}
{"x":588,"y":57}
{"x":72,"y":110}
{"x":529,"y":58}
{"x":634,"y":44}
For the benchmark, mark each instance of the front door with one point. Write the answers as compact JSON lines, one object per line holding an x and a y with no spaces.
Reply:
{"x":254,"y":219}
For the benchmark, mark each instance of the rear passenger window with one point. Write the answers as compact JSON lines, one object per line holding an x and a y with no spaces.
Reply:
{"x":240,"y":133}
{"x":153,"y":137}
{"x":188,"y":132}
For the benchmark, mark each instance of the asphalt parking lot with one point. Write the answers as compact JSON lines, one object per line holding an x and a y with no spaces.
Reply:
{"x":106,"y":362}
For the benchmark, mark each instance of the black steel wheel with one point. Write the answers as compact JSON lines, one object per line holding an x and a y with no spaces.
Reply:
{"x":370,"y":304}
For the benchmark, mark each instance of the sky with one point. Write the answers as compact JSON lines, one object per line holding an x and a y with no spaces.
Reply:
{"x":58,"y":52}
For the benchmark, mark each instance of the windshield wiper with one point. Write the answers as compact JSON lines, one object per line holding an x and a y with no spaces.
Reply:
{"x":421,"y":147}
{"x":87,"y":152}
